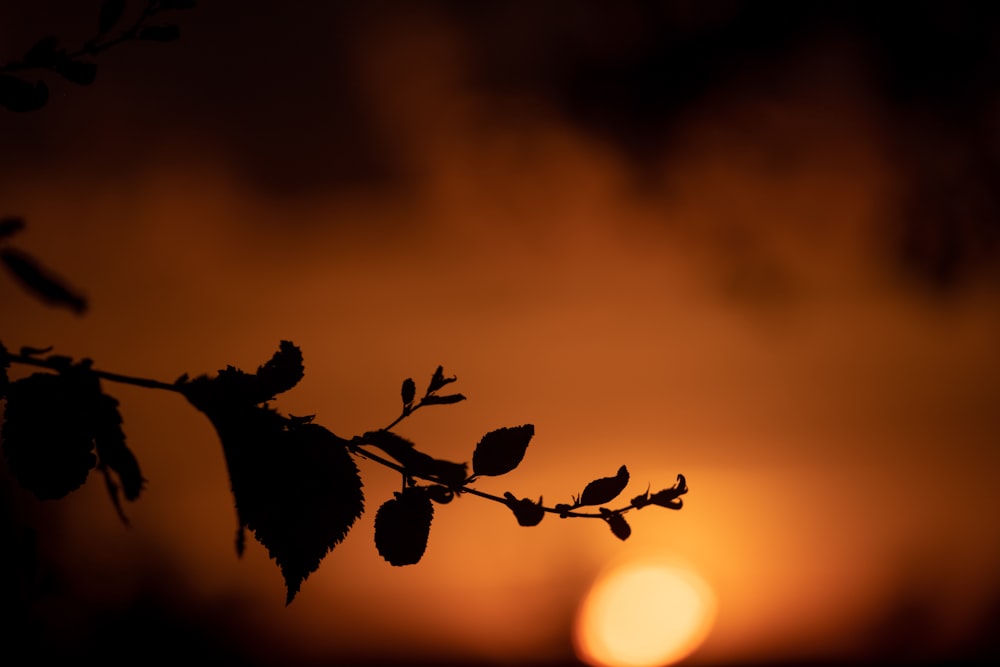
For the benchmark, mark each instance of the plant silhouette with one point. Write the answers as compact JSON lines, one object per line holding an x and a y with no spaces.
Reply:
{"x":295,"y":484}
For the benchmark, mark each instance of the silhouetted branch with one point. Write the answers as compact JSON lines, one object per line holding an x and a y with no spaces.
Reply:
{"x":76,"y":66}
{"x":294,"y":482}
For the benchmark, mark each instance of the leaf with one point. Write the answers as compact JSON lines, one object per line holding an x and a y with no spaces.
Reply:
{"x":442,"y":400}
{"x":670,"y":498}
{"x":438,"y":380}
{"x":40,"y":282}
{"x":402,"y":526}
{"x":295,"y":484}
{"x":165,"y":32}
{"x":282,"y":372}
{"x":47,"y":435}
{"x":112,"y":452}
{"x":619,"y":526}
{"x":408,"y":392}
{"x":500,"y":451}
{"x":19,"y":95}
{"x":605,"y":489}
{"x":10,"y":225}
{"x":111,"y":12}
{"x":79,"y":72}
{"x":314,"y":497}
{"x":527,"y":512}
{"x":42,"y":52}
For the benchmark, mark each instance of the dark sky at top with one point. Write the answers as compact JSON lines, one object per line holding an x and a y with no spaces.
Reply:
{"x":277,"y":88}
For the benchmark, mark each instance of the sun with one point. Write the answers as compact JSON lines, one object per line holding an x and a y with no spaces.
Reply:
{"x":644,"y":613}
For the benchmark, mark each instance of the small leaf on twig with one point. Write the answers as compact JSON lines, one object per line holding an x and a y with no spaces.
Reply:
{"x":40,"y":282}
{"x":438,"y":380}
{"x":408,"y":392}
{"x":501,"y":450}
{"x":442,"y":400}
{"x":619,"y":526}
{"x":526,"y":511}
{"x":402,"y":526}
{"x":605,"y":489}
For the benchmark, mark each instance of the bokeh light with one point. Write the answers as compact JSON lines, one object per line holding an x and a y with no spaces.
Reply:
{"x":644,"y":613}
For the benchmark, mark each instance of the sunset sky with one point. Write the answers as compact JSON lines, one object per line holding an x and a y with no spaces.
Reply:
{"x":753,"y":245}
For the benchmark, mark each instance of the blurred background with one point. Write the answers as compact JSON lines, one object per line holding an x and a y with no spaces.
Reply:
{"x":753,"y":243}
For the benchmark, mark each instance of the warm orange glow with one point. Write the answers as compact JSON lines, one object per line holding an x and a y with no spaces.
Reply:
{"x":644,"y":614}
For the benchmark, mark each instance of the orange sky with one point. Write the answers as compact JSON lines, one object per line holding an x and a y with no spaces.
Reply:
{"x":730,"y":315}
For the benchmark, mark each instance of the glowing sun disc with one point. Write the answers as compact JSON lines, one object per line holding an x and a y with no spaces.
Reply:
{"x":643,"y":614}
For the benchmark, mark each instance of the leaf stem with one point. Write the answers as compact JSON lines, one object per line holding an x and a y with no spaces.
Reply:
{"x":59,"y":364}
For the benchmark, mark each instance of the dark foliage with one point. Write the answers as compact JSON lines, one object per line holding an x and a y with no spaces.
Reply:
{"x":295,"y":484}
{"x":40,"y":282}
{"x":501,"y":451}
{"x":402,"y":526}
{"x":58,"y":427}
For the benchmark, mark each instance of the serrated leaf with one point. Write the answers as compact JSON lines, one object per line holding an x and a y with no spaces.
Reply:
{"x":605,"y":489}
{"x":442,"y":400}
{"x":616,"y":521}
{"x":10,"y":225}
{"x":79,"y":72}
{"x":111,"y":12}
{"x":526,"y":511}
{"x":282,"y":372}
{"x":295,"y":484}
{"x":402,"y":526}
{"x":408,"y":392}
{"x":500,"y":451}
{"x":42,"y":52}
{"x":46,"y":434}
{"x":19,"y":95}
{"x":40,"y":282}
{"x":165,"y":32}
{"x":438,"y":380}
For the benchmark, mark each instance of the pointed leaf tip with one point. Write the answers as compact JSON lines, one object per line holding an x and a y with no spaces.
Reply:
{"x":438,"y":380}
{"x":605,"y":489}
{"x":501,"y":450}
